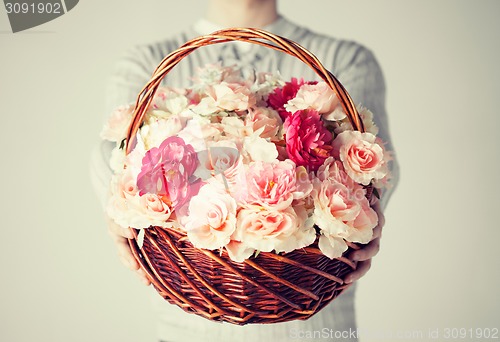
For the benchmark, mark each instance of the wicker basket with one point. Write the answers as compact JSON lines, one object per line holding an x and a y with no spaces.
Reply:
{"x":269,"y":288}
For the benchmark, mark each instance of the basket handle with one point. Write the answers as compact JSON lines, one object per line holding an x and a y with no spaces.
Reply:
{"x":250,"y":35}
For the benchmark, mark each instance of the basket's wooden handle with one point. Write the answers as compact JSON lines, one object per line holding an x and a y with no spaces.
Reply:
{"x":250,"y":35}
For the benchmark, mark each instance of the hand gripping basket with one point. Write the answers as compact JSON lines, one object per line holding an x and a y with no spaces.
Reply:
{"x":269,"y":288}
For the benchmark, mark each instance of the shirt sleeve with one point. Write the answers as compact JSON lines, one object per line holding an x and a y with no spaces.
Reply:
{"x":130,"y":74}
{"x":364,"y":81}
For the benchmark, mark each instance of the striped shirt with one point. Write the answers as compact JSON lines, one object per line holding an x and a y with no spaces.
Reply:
{"x":355,"y":67}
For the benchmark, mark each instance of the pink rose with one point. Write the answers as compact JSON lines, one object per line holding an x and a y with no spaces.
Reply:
{"x":212,"y":217}
{"x":267,"y":230}
{"x":281,"y":96}
{"x":274,"y":185}
{"x":123,"y":187}
{"x":333,"y":170}
{"x":319,"y":97}
{"x":341,"y":210}
{"x":115,"y":129}
{"x":363,"y":158}
{"x":334,"y":206}
{"x":308,"y":142}
{"x":166,"y":171}
{"x":361,"y":229}
{"x":265,"y":119}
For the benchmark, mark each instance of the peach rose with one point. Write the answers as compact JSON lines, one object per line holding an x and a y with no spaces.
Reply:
{"x":123,"y":183}
{"x":212,"y":217}
{"x":333,"y":170}
{"x":274,"y":185}
{"x":149,"y":210}
{"x":341,"y":210}
{"x":267,"y":121}
{"x":361,"y":228}
{"x":342,"y":213}
{"x":128,"y":209}
{"x":123,"y":187}
{"x":267,"y":230}
{"x":363,"y":158}
{"x":333,"y":207}
{"x":232,"y":96}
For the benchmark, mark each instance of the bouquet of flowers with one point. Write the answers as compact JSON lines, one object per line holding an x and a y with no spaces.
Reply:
{"x":248,"y":165}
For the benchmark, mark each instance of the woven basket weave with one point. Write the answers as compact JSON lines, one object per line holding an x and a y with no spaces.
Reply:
{"x":269,"y":288}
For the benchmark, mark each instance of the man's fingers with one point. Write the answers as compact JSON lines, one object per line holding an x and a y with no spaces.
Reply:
{"x":126,"y":256}
{"x":143,"y":276}
{"x":128,"y":259}
{"x":375,"y":204}
{"x":381,"y":218}
{"x":366,"y":252}
{"x":120,"y":236}
{"x":377,"y":232}
{"x":363,"y":267}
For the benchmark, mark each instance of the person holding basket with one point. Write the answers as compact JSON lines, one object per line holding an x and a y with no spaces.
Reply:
{"x":356,"y":68}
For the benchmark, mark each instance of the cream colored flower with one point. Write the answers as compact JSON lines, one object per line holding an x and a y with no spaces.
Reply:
{"x":212,"y":217}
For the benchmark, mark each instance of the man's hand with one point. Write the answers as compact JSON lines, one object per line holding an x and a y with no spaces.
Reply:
{"x":367,"y":252}
{"x":120,"y":236}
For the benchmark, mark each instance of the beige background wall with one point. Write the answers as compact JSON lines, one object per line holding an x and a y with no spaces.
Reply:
{"x":438,"y":267}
